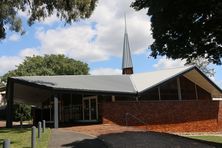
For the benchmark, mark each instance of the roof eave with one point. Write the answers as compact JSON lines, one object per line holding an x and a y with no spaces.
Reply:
{"x":208,"y":79}
{"x":102,"y":92}
{"x":55,"y":89}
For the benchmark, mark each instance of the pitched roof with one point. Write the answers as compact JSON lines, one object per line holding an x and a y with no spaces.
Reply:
{"x":144,"y":81}
{"x":105,"y":83}
{"x":129,"y":84}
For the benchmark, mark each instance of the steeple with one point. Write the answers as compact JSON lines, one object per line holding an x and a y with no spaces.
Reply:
{"x":127,"y":64}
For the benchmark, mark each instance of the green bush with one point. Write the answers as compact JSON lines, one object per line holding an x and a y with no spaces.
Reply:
{"x":22,"y":112}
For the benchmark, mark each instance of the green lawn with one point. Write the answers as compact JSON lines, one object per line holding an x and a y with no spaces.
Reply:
{"x":216,"y":139}
{"x":21,"y":138}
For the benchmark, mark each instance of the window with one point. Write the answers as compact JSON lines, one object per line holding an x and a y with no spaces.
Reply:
{"x":187,"y":89}
{"x":76,"y":99}
{"x":66,"y":98}
{"x":168,"y":91}
{"x":203,"y":94}
{"x":150,"y":95}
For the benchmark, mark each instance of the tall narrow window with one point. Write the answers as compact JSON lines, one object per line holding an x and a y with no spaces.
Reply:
{"x":187,"y":89}
{"x":203,"y":94}
{"x":150,"y":95}
{"x":168,"y":90}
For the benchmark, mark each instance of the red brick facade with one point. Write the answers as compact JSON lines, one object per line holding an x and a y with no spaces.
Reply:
{"x":220,"y":116}
{"x":177,"y":116}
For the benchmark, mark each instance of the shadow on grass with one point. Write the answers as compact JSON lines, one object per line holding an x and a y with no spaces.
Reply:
{"x":14,"y":130}
{"x":2,"y":140}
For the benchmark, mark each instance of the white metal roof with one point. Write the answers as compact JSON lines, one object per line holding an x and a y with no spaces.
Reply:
{"x":143,"y":81}
{"x":132,"y":84}
{"x":106,"y":83}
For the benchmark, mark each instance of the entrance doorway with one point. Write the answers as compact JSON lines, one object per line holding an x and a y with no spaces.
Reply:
{"x":90,"y":108}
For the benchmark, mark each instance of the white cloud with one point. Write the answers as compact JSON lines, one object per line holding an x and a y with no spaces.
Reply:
{"x":212,"y":78}
{"x":24,"y":14}
{"x":219,"y":83}
{"x":110,"y":26}
{"x":28,"y":52}
{"x":14,"y":37}
{"x":50,"y":20}
{"x":83,"y":42}
{"x":75,"y":41}
{"x":8,"y":63}
{"x":106,"y":71}
{"x":164,"y":63}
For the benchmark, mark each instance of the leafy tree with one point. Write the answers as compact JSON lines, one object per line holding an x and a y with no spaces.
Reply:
{"x":22,"y":112}
{"x":67,"y":10}
{"x":185,"y":29}
{"x":1,"y":84}
{"x":48,"y":65}
{"x":44,"y":65}
{"x":203,"y":65}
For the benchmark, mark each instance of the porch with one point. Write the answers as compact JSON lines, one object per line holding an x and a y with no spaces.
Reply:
{"x":72,"y":108}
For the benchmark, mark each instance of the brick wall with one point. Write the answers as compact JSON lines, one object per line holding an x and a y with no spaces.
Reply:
{"x":220,"y":116}
{"x":203,"y":115}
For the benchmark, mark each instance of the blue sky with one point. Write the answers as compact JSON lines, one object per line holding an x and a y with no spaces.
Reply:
{"x":97,"y":41}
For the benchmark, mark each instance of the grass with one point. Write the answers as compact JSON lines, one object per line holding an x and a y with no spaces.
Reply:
{"x":21,"y":138}
{"x":216,"y":139}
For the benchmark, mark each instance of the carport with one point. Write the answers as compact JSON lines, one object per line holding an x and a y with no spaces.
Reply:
{"x":20,"y":91}
{"x":67,"y":99}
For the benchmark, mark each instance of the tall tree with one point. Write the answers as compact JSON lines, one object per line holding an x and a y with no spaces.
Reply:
{"x":67,"y":10}
{"x":44,"y":65}
{"x":185,"y":29}
{"x":203,"y":64}
{"x":48,"y":65}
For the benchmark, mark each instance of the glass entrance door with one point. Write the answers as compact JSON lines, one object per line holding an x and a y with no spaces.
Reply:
{"x":90,"y":108}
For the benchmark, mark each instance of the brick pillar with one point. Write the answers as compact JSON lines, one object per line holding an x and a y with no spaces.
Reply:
{"x":220,"y":116}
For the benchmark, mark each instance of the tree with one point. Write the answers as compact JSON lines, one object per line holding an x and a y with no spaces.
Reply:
{"x":1,"y":84}
{"x":67,"y":10}
{"x":203,"y":65}
{"x":44,"y":65}
{"x":22,"y":112}
{"x":185,"y":29}
{"x":48,"y":65}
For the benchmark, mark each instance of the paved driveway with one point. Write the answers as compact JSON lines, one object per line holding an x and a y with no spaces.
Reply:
{"x":61,"y":138}
{"x":152,"y":140}
{"x":128,"y":137}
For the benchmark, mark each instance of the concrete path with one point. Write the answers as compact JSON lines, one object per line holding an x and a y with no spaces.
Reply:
{"x":63,"y":138}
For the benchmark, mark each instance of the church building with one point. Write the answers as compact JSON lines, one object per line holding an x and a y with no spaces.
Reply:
{"x":176,"y":99}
